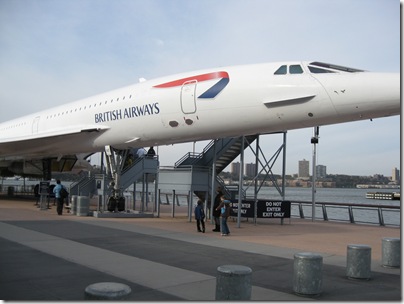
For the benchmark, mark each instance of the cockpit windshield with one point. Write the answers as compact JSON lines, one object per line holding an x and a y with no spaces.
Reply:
{"x":314,"y":67}
{"x":321,"y":67}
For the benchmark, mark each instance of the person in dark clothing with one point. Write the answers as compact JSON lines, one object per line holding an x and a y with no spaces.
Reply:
{"x":216,"y":213}
{"x":59,"y":198}
{"x":151,"y":153}
{"x":200,"y":216}
{"x":224,"y":208}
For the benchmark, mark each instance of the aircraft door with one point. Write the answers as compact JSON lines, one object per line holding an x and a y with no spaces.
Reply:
{"x":35,"y":125}
{"x":188,"y":103}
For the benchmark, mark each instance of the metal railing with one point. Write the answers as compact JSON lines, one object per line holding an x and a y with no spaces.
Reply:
{"x":382,"y":215}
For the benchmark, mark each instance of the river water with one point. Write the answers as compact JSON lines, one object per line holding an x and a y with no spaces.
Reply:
{"x":337,"y":195}
{"x":330,"y":195}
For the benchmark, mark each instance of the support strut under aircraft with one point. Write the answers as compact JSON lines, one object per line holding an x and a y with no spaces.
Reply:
{"x":115,"y":163}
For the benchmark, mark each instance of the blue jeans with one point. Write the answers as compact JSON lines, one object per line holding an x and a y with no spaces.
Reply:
{"x":223,"y":226}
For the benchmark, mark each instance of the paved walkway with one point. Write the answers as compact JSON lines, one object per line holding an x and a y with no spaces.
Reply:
{"x":44,"y":256}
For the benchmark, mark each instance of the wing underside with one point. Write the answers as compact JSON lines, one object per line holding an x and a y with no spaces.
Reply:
{"x":51,"y":143}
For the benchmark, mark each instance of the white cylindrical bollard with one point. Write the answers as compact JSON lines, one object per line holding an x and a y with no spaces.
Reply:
{"x":233,"y":282}
{"x":358,"y":261}
{"x":83,"y":205}
{"x":307,"y":273}
{"x":73,"y":204}
{"x":107,"y":291}
{"x":391,"y":252}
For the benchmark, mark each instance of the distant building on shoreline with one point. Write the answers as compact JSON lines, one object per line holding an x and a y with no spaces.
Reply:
{"x":304,"y":169}
{"x":395,"y":175}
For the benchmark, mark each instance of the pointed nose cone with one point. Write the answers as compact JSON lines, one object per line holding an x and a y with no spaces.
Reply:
{"x":367,"y":95}
{"x":384,"y":91}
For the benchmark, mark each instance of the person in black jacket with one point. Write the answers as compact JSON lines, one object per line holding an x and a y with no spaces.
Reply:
{"x":216,"y":213}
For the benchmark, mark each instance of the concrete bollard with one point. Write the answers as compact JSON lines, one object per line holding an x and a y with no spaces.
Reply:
{"x":107,"y":291}
{"x":73,"y":204}
{"x":391,"y":252}
{"x":233,"y":282}
{"x":307,"y":273}
{"x":358,"y":261}
{"x":83,"y":205}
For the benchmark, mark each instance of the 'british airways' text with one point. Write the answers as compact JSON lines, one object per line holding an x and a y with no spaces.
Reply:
{"x":131,"y":112}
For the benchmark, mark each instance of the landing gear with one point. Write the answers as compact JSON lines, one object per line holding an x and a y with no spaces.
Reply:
{"x":115,"y":163}
{"x":116,"y":204}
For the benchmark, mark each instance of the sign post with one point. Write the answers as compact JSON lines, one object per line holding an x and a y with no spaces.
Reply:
{"x":264,"y":209}
{"x":314,"y":141}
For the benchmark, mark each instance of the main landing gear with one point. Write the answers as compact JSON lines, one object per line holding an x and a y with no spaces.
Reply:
{"x":115,"y":163}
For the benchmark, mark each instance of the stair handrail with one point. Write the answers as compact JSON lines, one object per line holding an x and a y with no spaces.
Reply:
{"x":196,"y":156}
{"x":86,"y":185}
{"x":226,"y":191}
{"x":208,"y":146}
{"x":134,"y":163}
{"x":139,"y":165}
{"x":74,"y":187}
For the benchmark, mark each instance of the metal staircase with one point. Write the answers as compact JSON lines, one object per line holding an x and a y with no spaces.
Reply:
{"x":136,"y":171}
{"x":84,"y":187}
{"x":223,"y":151}
{"x":145,"y":165}
{"x":226,"y":150}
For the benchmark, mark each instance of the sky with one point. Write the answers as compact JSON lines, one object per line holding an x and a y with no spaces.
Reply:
{"x":56,"y":51}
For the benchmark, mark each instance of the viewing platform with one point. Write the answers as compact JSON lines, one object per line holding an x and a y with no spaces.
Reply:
{"x":46,"y":257}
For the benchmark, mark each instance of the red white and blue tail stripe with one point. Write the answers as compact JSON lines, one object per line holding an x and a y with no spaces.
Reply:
{"x":211,"y":92}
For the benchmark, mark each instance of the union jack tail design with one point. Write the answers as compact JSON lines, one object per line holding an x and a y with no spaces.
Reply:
{"x":211,"y":92}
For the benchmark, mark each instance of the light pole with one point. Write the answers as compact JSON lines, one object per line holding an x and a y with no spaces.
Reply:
{"x":314,"y":141}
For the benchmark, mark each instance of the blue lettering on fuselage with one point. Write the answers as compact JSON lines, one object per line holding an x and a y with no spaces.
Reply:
{"x":131,"y":112}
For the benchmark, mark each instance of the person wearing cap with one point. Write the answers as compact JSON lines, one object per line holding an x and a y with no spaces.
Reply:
{"x":224,"y":208}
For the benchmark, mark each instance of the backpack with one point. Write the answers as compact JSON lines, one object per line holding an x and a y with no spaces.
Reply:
{"x":63,"y":193}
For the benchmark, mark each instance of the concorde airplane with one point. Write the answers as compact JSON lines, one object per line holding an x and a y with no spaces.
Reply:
{"x":207,"y":104}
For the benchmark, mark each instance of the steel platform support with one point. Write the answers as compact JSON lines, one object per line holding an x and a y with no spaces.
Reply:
{"x":266,"y":167}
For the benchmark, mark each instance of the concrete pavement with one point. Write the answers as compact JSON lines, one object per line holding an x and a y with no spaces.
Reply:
{"x":44,"y":256}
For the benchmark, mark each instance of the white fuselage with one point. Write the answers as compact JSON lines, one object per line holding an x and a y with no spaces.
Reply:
{"x":249,"y":99}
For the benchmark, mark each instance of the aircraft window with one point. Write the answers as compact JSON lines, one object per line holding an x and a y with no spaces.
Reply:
{"x":112,"y":100}
{"x":123,"y":98}
{"x":295,"y":69}
{"x":281,"y":71}
{"x":335,"y":67}
{"x":318,"y":70}
{"x":117,"y":99}
{"x":130,"y":96}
